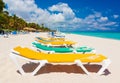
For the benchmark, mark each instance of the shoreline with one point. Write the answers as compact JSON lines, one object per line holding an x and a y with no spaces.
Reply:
{"x":59,"y":73}
{"x":95,"y":36}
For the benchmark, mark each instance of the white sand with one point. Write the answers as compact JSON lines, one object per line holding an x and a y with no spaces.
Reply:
{"x":59,"y":73}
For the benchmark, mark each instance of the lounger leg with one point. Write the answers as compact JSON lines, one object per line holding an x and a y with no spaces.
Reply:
{"x":79,"y":63}
{"x":16,"y":62}
{"x":42,"y":63}
{"x":105,"y":65}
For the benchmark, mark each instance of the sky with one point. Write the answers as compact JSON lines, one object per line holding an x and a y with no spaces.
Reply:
{"x":69,"y":15}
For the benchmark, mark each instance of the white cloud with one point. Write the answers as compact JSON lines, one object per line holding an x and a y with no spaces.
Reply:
{"x":109,"y":24}
{"x":97,"y":14}
{"x":22,"y":8}
{"x":58,"y":15}
{"x":57,"y":18}
{"x":103,"y":18}
{"x":64,"y":9}
{"x":97,"y":22}
{"x":115,"y":16}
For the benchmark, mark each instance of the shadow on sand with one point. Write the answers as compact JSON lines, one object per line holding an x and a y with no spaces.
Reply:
{"x":48,"y":68}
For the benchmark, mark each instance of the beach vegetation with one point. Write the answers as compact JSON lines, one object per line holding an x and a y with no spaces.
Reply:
{"x":13,"y":22}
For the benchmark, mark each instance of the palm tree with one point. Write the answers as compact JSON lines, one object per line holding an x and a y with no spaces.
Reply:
{"x":2,"y":5}
{"x":15,"y":19}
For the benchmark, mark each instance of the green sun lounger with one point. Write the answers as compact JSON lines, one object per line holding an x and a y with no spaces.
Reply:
{"x":63,"y":49}
{"x":84,"y":49}
{"x":50,"y":48}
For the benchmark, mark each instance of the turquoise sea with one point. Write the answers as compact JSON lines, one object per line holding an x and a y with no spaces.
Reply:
{"x":110,"y":35}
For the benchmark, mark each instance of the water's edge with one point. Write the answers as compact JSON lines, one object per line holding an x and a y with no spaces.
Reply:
{"x":108,"y":35}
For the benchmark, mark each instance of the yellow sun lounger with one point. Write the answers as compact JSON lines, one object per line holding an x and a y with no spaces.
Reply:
{"x":43,"y":58}
{"x":57,"y":43}
{"x":54,"y":41}
{"x":50,"y":39}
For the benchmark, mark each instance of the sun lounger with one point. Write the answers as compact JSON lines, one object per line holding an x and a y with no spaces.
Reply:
{"x":50,"y":48}
{"x":43,"y":58}
{"x":54,"y":41}
{"x":84,"y":49}
{"x":49,"y":39}
{"x":44,"y":39}
{"x":62,"y":49}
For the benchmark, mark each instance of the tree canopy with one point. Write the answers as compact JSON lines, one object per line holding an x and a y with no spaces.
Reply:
{"x":16,"y":23}
{"x":2,"y":5}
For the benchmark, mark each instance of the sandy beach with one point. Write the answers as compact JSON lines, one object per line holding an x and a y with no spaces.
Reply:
{"x":59,"y":73}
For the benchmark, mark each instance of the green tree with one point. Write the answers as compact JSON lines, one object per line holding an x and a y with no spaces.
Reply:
{"x":20,"y":24}
{"x":2,"y":6}
{"x":4,"y":20}
{"x":16,"y":23}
